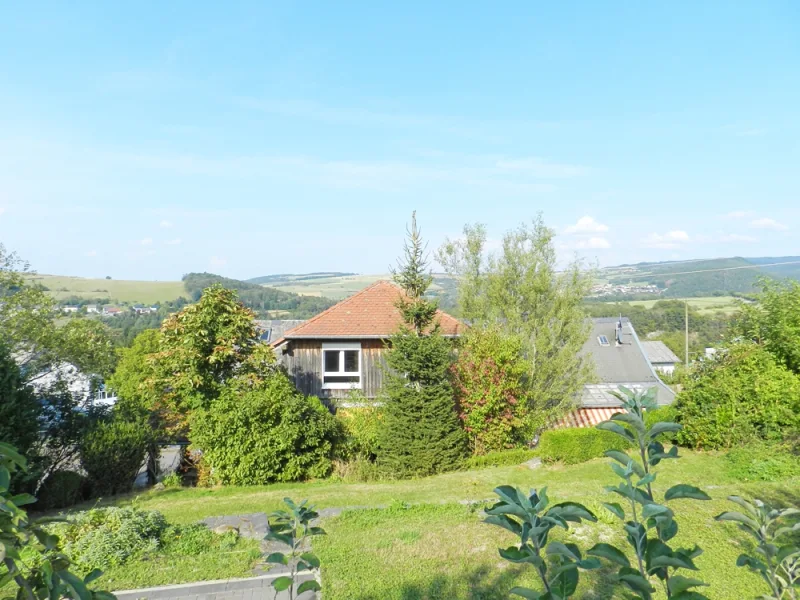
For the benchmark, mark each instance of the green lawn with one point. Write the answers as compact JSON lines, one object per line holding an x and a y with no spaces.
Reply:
{"x":709,"y":304}
{"x":111,"y":290}
{"x":438,"y":548}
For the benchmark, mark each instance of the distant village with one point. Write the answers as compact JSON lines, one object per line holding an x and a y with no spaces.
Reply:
{"x":624,"y":289}
{"x":108,"y":310}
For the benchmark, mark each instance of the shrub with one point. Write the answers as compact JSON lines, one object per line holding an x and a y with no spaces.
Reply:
{"x":195,"y":539}
{"x":266,"y":433}
{"x":357,"y":470}
{"x":62,"y":489}
{"x":112,"y":454}
{"x":20,"y":410}
{"x":576,"y":445}
{"x":361,"y":427}
{"x":108,"y":537}
{"x":762,"y":462}
{"x":173,"y":480}
{"x":501,"y":458}
{"x":487,"y":380}
{"x":742,"y":396}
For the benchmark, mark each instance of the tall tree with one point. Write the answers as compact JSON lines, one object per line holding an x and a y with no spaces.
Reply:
{"x":421,"y":433}
{"x":519,"y":289}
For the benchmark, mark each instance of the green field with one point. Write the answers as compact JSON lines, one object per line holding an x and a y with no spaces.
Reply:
{"x":111,"y":290}
{"x":420,"y":543}
{"x":710,"y":304}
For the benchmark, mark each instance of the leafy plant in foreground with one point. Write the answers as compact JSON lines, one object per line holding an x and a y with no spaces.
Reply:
{"x":49,"y":578}
{"x":651,"y":525}
{"x":294,"y":529}
{"x":778,"y":565}
{"x":529,"y":518}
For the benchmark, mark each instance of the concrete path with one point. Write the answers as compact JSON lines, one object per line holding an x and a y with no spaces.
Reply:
{"x":252,"y":588}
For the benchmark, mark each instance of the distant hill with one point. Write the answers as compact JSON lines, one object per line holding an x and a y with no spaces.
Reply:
{"x":705,"y":277}
{"x":288,"y":278}
{"x":265,"y":301}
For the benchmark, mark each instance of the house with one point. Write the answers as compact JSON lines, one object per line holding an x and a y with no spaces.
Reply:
{"x":662,"y":358}
{"x":619,"y":359}
{"x":144,"y":310}
{"x":111,"y":311}
{"x":92,"y":309}
{"x":342,"y":349}
{"x":69,"y":309}
{"x":273,"y":329}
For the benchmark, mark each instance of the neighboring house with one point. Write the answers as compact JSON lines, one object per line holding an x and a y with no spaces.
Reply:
{"x":92,"y":308}
{"x":144,"y":310}
{"x":342,"y":348}
{"x":111,"y":311}
{"x":662,"y":358}
{"x":619,"y":359}
{"x":88,"y":388}
{"x":270,"y":331}
{"x":69,"y":309}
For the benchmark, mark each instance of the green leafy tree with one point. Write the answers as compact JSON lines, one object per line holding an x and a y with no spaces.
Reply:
{"x":20,"y":410}
{"x":294,"y":528}
{"x":421,"y":432}
{"x":488,"y":381}
{"x":112,"y":453}
{"x":520,"y":289}
{"x":649,"y":524}
{"x":740,"y":396}
{"x":529,"y":518}
{"x":50,"y":576}
{"x":777,"y":555}
{"x":201,"y":348}
{"x":774,"y":321}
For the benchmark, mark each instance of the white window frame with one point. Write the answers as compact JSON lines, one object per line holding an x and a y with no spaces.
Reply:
{"x":341,"y":347}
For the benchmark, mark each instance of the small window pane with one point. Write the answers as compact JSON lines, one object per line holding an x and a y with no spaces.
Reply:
{"x":351,"y":361}
{"x":341,"y":379}
{"x":331,"y":361}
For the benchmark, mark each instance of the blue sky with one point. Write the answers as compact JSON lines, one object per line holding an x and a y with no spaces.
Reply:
{"x":155,"y":139}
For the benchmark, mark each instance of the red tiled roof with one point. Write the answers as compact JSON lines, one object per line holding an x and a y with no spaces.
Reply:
{"x":371,"y":313}
{"x":587,"y":417}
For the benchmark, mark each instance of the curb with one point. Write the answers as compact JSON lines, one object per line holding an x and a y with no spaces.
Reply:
{"x":218,"y":586}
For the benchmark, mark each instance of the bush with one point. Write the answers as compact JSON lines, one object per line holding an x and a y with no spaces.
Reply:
{"x":501,"y":458}
{"x":193,"y":540}
{"x":106,"y":537}
{"x":576,"y":445}
{"x":263,"y":434}
{"x":62,"y":489}
{"x":173,"y":480}
{"x":762,"y":462}
{"x":358,"y":470}
{"x":740,"y":397}
{"x":360,"y":426}
{"x":112,"y":454}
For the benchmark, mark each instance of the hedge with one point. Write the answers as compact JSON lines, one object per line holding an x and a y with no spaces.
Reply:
{"x":500,"y":458}
{"x":576,"y":445}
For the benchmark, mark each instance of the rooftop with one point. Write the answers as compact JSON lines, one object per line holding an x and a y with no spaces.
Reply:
{"x":658,"y":353}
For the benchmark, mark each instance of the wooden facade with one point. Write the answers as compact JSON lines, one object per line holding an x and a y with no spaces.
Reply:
{"x":303,"y":361}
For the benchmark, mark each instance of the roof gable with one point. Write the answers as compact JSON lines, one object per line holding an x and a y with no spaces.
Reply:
{"x":371,"y":313}
{"x":658,"y":352}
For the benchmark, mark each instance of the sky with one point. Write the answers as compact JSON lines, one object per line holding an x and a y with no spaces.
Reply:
{"x":151,"y":139}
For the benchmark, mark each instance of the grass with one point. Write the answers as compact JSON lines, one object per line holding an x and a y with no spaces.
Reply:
{"x":119,"y":290}
{"x":423,"y":544}
{"x":704,"y":305}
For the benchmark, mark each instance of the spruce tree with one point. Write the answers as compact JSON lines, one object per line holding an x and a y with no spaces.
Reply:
{"x":421,"y":432}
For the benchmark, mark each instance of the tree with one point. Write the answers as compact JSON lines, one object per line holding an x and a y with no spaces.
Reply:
{"x":201,"y":348}
{"x":20,"y":411}
{"x":519,"y":290}
{"x":421,"y":433}
{"x":774,"y":321}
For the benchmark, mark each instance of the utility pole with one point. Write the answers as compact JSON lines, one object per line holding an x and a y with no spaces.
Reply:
{"x":686,"y":323}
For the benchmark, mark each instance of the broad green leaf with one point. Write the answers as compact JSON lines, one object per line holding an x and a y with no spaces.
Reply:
{"x":685,"y":491}
{"x":625,"y":460}
{"x":16,"y":457}
{"x":516,"y":555}
{"x":563,"y":550}
{"x":752,"y":563}
{"x":635,"y":582}
{"x":615,"y":508}
{"x":23,"y":499}
{"x":738,"y":518}
{"x":609,"y":552}
{"x":677,"y":561}
{"x":679,"y":583}
{"x":652,"y":510}
{"x":92,"y":576}
{"x":616,"y":428}
{"x":281,"y":583}
{"x":589,"y":563}
{"x":688,"y":595}
{"x":277,"y":558}
{"x":630,"y":419}
{"x":505,"y":522}
{"x":76,"y":588}
{"x":664,"y":427}
{"x":311,"y":559}
{"x":564,"y":584}
{"x":5,"y":479}
{"x":526,"y":593}
{"x":308,"y":586}
{"x":572,"y":511}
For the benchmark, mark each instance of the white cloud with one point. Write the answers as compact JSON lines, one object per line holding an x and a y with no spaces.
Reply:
{"x":671,"y":239}
{"x":586,"y":224}
{"x":739,"y":214}
{"x":91,"y":253}
{"x":767,"y":223}
{"x":165,"y":224}
{"x":594,"y":243}
{"x":737,"y":237}
{"x":175,"y":242}
{"x":215,"y":262}
{"x":146,"y":241}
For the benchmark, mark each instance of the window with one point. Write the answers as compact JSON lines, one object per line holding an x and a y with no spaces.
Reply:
{"x":603,"y":340}
{"x":341,"y":366}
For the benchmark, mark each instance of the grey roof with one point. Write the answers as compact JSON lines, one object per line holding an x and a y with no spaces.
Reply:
{"x":658,"y":353}
{"x":273,"y":329}
{"x":618,"y":364}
